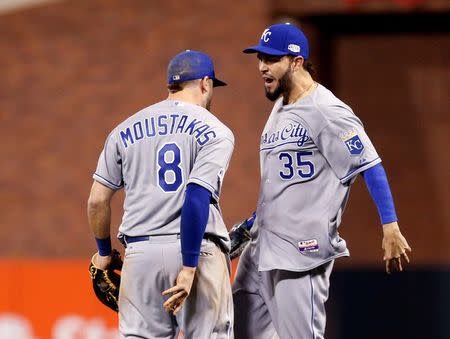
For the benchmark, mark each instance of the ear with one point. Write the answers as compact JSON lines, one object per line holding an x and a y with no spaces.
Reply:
{"x":297,"y":63}
{"x":205,"y":84}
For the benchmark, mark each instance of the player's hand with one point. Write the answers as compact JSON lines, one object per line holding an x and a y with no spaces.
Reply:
{"x":101,"y":262}
{"x":180,"y":291}
{"x":395,"y":247}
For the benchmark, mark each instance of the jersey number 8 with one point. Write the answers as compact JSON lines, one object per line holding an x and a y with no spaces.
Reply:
{"x":170,"y":174}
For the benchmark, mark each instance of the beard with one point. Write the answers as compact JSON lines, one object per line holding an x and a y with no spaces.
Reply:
{"x":284,"y":86}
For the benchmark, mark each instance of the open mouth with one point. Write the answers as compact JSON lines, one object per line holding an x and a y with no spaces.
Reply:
{"x":267,"y":80}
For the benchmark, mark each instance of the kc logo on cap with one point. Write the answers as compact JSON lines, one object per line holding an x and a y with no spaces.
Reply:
{"x":282,"y":39}
{"x":266,"y":34}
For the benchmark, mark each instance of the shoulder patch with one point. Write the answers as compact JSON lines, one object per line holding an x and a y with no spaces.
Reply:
{"x":353,"y":142}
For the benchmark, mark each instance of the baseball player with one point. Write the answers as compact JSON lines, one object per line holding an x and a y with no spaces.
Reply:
{"x":312,"y":149}
{"x":170,"y":158}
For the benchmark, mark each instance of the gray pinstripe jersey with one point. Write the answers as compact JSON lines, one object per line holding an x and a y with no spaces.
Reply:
{"x":310,"y":153}
{"x":154,"y":154}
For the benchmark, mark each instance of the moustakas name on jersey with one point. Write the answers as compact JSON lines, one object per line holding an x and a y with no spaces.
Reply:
{"x":167,"y":124}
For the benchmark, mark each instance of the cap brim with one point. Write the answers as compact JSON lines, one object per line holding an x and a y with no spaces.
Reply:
{"x":217,"y":82}
{"x":264,"y":50}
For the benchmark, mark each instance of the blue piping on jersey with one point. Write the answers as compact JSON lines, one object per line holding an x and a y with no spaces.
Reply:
{"x":360,"y":169}
{"x":109,"y":182}
{"x":284,"y":143}
{"x":312,"y":307}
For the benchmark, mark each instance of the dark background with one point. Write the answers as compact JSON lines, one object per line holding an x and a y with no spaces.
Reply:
{"x":71,"y":70}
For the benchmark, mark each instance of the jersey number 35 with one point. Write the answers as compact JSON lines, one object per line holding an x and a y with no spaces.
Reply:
{"x":302,"y":167}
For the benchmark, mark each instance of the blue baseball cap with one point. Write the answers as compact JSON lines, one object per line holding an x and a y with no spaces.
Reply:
{"x":282,"y":39}
{"x":191,"y":65}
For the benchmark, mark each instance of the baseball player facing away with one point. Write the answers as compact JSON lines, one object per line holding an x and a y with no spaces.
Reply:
{"x":170,"y":158}
{"x":312,"y":148}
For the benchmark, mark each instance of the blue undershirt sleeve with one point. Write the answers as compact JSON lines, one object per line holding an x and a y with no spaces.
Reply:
{"x":194,"y":217}
{"x":250,"y":221}
{"x":378,"y":187}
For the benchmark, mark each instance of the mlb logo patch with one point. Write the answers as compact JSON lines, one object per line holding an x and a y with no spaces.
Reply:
{"x":354,"y":145}
{"x":311,"y":245}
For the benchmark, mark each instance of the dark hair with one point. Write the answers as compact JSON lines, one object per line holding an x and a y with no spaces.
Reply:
{"x":309,"y":67}
{"x":177,"y":87}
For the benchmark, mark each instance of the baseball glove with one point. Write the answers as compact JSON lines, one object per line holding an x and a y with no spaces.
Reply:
{"x":239,"y":236}
{"x":106,"y":283}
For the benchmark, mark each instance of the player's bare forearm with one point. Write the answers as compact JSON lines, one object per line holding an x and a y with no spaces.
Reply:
{"x":395,"y":247}
{"x":99,"y":210}
{"x":180,"y":291}
{"x":99,"y":217}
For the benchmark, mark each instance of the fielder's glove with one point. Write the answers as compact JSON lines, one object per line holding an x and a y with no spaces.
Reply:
{"x":106,"y":283}
{"x":240,"y":236}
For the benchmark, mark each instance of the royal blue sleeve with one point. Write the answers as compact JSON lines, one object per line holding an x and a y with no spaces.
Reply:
{"x":194,"y":217}
{"x":250,"y":221}
{"x":378,"y":186}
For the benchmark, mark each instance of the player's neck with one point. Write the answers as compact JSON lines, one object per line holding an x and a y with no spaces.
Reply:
{"x":186,"y":96}
{"x":302,"y":87}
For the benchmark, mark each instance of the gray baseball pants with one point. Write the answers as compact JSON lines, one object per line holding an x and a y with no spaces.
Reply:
{"x":290,"y":304}
{"x":151,"y":267}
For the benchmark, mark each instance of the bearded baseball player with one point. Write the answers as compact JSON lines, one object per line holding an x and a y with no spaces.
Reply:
{"x":170,"y":158}
{"x":312,"y":149}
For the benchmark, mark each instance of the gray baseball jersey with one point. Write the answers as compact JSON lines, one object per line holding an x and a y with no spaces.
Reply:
{"x":154,"y":154}
{"x":310,"y":153}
